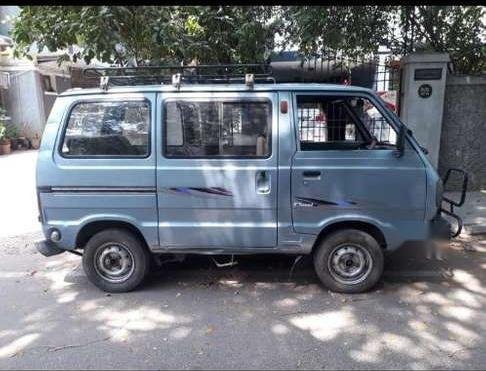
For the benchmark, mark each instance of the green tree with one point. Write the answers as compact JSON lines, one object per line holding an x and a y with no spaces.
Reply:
{"x":349,"y":30}
{"x":234,"y":34}
{"x":357,"y":31}
{"x":149,"y":34}
{"x":457,"y":30}
{"x":229,"y":34}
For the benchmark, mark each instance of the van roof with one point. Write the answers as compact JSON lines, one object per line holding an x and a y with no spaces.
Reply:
{"x":216,"y":87}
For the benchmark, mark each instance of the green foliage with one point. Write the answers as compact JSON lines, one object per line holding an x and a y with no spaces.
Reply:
{"x":246,"y":34}
{"x":350,"y":30}
{"x":357,"y":31}
{"x":456,"y":30}
{"x":232,"y":34}
{"x":7,"y":131}
{"x":2,"y":132}
{"x":11,"y":131}
{"x":148,"y":34}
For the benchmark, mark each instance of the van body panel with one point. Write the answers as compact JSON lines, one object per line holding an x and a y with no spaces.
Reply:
{"x":76,"y":191}
{"x":376,"y":184}
{"x":212,"y":202}
{"x":373,"y":186}
{"x":212,"y":205}
{"x":286,"y":150}
{"x":216,"y":88}
{"x":69,"y":213}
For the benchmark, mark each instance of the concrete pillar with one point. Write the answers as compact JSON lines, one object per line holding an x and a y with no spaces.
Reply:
{"x":422,"y":98}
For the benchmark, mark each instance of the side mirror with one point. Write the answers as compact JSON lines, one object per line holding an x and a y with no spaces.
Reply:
{"x":400,"y":141}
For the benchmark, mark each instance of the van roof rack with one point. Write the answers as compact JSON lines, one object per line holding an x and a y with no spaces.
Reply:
{"x":175,"y":75}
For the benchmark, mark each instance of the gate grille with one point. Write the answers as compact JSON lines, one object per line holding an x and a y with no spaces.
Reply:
{"x":380,"y":73}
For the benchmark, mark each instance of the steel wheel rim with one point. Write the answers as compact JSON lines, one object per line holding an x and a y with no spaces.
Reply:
{"x":114,"y":262}
{"x":350,"y":264}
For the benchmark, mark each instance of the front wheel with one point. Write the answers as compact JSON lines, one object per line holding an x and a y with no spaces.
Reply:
{"x":349,"y":261}
{"x":115,"y":260}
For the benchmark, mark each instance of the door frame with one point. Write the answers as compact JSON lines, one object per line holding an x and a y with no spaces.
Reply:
{"x":214,"y":163}
{"x":394,"y":122}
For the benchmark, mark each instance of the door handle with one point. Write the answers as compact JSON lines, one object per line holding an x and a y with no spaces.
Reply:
{"x":262,"y":182}
{"x":311,"y":175}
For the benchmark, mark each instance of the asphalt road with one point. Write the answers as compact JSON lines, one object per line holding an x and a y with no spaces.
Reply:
{"x":192,"y":315}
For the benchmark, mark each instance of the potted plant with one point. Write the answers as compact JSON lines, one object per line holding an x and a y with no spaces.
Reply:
{"x":4,"y":140}
{"x":4,"y":133}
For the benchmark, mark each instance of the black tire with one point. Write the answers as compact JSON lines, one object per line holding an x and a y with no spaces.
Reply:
{"x":332,"y":255}
{"x":129,"y":246}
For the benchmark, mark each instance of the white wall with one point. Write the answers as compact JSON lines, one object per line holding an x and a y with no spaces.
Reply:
{"x":23,"y":99}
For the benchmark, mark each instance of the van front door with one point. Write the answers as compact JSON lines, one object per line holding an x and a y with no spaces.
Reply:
{"x":217,"y":170}
{"x":346,"y":168}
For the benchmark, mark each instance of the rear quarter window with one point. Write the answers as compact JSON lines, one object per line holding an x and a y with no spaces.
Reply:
{"x":107,"y":129}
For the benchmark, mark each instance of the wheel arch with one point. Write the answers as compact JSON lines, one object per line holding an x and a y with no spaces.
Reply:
{"x":90,"y":229}
{"x":364,"y":226}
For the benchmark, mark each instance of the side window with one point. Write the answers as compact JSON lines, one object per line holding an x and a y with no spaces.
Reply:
{"x":111,"y":129}
{"x":341,"y":122}
{"x":217,"y":129}
{"x":373,"y":120}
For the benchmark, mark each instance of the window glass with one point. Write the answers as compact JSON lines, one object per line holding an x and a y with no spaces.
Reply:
{"x":325,"y":121}
{"x":373,"y":120}
{"x":108,"y":129}
{"x":340,"y":122}
{"x":217,"y":129}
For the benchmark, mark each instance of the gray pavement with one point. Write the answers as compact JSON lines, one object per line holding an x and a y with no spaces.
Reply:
{"x":473,"y":212}
{"x":192,"y":315}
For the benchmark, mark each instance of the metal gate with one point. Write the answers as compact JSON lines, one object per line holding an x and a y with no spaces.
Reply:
{"x":381,"y":73}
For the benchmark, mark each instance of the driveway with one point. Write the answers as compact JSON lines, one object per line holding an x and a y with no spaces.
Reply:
{"x":192,"y":315}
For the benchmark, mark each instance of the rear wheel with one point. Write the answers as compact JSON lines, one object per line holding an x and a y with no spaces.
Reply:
{"x":349,"y":261}
{"x":115,"y":260}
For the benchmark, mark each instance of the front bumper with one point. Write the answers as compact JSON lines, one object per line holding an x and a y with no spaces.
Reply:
{"x":440,"y":228}
{"x":48,"y":248}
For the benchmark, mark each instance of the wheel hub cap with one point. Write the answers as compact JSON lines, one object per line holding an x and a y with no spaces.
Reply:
{"x":114,"y":262}
{"x":350,"y":264}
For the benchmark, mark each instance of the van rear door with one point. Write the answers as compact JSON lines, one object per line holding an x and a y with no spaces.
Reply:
{"x":217,"y":170}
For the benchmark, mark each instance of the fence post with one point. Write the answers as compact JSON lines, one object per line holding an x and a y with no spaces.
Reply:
{"x":422,"y":98}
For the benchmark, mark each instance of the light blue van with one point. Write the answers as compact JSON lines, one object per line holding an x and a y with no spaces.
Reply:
{"x":126,"y":173}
